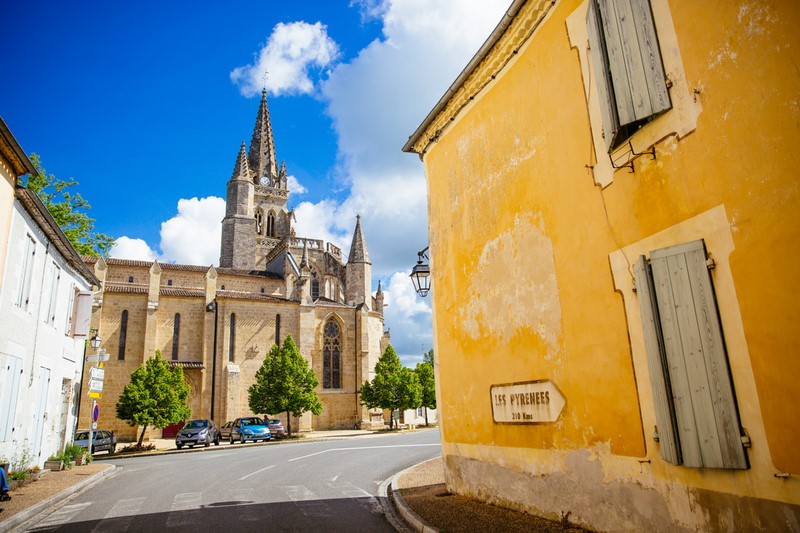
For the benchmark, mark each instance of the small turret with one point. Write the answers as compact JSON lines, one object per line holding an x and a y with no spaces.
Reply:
{"x":379,"y":299}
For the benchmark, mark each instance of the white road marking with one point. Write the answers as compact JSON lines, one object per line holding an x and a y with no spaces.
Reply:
{"x":362,"y":448}
{"x":185,"y":509}
{"x":256,"y":472}
{"x":307,"y":502}
{"x":63,"y":515}
{"x":120,"y":516}
{"x":336,"y":477}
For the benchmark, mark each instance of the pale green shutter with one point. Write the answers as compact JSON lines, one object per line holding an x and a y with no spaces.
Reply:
{"x":605,"y":93}
{"x":705,"y":407}
{"x":634,"y":59}
{"x":657,"y":364}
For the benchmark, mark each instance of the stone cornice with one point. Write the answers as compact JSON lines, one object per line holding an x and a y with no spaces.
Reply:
{"x":488,"y":63}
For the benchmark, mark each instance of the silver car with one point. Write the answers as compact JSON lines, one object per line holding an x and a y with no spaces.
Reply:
{"x":101,"y":440}
{"x":196,"y":432}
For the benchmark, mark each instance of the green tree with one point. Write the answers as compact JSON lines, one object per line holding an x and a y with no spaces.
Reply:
{"x":284,"y":384}
{"x":427,"y":382}
{"x":68,"y":210}
{"x":156,"y":396}
{"x":394,"y":386}
{"x":427,"y":357}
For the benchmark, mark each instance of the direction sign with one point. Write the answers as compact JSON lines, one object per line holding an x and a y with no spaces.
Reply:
{"x":531,"y":402}
{"x":96,"y":373}
{"x":101,"y":357}
{"x":95,"y":385}
{"x":95,"y":395}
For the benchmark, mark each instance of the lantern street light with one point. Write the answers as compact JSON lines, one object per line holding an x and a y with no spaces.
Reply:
{"x":421,"y":274}
{"x":95,"y":340}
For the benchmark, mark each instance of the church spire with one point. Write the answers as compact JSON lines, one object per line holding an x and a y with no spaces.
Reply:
{"x":262,"y":147}
{"x":358,"y":249}
{"x":242,"y":169}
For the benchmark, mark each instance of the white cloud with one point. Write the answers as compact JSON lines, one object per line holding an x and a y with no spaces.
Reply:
{"x":193,"y":235}
{"x":127,"y":248}
{"x":409,"y":318}
{"x":292,"y":51}
{"x":295,"y":187}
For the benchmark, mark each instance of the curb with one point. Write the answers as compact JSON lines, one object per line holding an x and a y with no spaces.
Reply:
{"x":31,"y":512}
{"x":412,"y":519}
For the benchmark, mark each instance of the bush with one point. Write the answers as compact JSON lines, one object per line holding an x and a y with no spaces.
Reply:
{"x":71,"y":451}
{"x":136,"y":448}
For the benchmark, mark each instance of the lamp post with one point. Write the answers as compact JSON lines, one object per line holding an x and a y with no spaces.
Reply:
{"x":421,"y":274}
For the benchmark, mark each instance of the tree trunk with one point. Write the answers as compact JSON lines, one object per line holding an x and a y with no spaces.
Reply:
{"x":426,"y":417}
{"x":141,"y":437}
{"x":289,"y":424}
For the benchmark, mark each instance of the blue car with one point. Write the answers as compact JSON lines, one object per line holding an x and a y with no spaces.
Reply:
{"x":249,"y":428}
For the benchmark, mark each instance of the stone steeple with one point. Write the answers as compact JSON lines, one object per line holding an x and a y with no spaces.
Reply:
{"x":358,"y":249}
{"x":261,"y":159}
{"x":241,"y":170}
{"x":358,"y":271}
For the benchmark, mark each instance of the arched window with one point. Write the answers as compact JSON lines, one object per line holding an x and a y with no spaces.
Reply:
{"x":314,"y":286}
{"x":271,"y":224}
{"x":260,"y":222}
{"x":331,"y":355}
{"x":176,"y":332}
{"x":278,"y":330}
{"x":123,"y":333}
{"x":232,"y":338}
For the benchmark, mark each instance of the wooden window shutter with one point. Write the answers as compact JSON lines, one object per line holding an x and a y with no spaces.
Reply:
{"x":605,"y":91}
{"x":705,"y":407}
{"x":657,"y":363}
{"x":634,"y":59}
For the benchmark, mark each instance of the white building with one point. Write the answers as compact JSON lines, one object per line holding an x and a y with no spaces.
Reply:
{"x":45,"y":311}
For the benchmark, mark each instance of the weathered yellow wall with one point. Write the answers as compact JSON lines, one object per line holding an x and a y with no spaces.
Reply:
{"x":521,"y":242}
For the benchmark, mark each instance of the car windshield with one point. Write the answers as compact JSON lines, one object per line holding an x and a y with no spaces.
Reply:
{"x":196,"y":424}
{"x":274,"y":422}
{"x":252,"y":422}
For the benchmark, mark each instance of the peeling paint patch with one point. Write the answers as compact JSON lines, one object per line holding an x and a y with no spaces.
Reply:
{"x":514,"y":286}
{"x":755,"y":17}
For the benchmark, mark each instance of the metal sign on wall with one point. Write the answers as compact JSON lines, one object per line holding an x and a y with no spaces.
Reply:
{"x":529,"y":402}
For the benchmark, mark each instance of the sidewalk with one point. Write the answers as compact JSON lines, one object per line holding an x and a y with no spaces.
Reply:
{"x":420,"y":497}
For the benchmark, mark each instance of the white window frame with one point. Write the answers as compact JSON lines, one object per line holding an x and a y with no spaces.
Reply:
{"x":55,"y":278}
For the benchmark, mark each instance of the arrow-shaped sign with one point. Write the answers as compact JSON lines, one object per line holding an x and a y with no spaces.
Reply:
{"x":529,"y":402}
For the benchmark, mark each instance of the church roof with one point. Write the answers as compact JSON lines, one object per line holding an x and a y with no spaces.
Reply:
{"x":262,"y":146}
{"x":358,"y":249}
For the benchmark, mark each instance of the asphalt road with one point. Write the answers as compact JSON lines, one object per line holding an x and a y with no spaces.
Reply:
{"x":298,"y":486}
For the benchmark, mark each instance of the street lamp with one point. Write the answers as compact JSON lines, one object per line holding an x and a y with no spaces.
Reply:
{"x":95,"y":340}
{"x":421,"y":274}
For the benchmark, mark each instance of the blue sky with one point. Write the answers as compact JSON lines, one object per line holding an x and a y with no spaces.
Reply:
{"x":146,"y":104}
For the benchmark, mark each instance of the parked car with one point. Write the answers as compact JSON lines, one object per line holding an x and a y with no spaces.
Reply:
{"x":276,"y":427}
{"x":249,"y":428}
{"x":102,"y":440}
{"x":196,"y":432}
{"x":225,"y":430}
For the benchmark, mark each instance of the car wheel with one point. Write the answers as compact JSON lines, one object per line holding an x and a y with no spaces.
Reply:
{"x":241,"y":439}
{"x":179,"y":446}
{"x":216,"y":441}
{"x":208,"y":443}
{"x":231,"y":438}
{"x":112,"y":450}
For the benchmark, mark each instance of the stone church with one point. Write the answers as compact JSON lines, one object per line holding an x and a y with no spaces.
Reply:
{"x":218,"y":324}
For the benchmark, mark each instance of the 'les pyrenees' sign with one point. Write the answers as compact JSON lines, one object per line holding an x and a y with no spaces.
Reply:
{"x":530,"y":402}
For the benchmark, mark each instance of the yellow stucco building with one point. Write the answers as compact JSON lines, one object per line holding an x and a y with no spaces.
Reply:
{"x":614,"y":219}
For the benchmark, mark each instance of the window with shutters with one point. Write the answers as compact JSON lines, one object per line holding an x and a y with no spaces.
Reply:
{"x":24,"y":289}
{"x":634,"y":82}
{"x":55,"y":277}
{"x":626,"y":60}
{"x":694,"y":398}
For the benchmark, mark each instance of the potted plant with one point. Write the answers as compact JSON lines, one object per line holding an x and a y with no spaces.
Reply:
{"x":54,"y":463}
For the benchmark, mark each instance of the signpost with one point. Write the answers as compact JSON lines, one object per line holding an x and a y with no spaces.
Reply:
{"x":96,"y":377}
{"x":530,"y":402}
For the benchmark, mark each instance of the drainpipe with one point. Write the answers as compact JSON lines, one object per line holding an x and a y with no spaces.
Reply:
{"x":214,"y":358}
{"x":356,"y":364}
